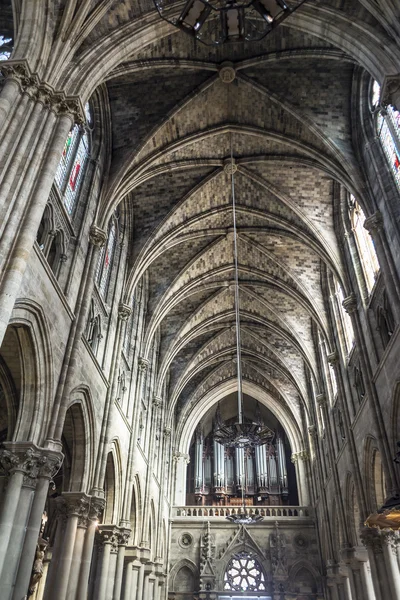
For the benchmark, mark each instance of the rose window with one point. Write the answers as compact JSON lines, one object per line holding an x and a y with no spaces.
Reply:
{"x":244,"y":574}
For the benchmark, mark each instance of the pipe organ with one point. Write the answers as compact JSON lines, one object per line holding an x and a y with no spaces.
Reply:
{"x":217,"y":474}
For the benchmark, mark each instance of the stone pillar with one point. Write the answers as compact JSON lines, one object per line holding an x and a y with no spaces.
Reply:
{"x":108,"y":538}
{"x":373,"y":542}
{"x":181,"y":461}
{"x":360,"y":584}
{"x":67,"y":579}
{"x":389,"y":543}
{"x":299,"y":459}
{"x":25,"y":187}
{"x":96,"y":506}
{"x":29,"y":470}
{"x":140,"y":582}
{"x":123,"y":538}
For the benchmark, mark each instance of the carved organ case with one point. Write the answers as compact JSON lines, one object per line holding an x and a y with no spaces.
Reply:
{"x":217,"y":474}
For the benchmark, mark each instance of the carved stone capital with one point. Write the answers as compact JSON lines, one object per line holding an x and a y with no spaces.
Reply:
{"x":30,"y":460}
{"x":350,"y":304}
{"x":333,"y":358}
{"x":312,"y":431}
{"x":372,"y":540}
{"x":374,"y":223}
{"x":124,"y":311}
{"x":96,"y":507}
{"x":108,"y":534}
{"x":177,"y":456}
{"x":157,"y":401}
{"x":390,"y":539}
{"x":40,"y":91}
{"x":321,"y":400}
{"x":167,"y":432}
{"x":143,"y":364}
{"x":78,"y":505}
{"x":97,"y":236}
{"x":301,"y":455}
{"x":123,"y":536}
{"x":390,"y":91}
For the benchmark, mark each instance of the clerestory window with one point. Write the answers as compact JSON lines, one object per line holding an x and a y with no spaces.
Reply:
{"x":365,"y":245}
{"x":5,"y":47}
{"x":388,"y":129}
{"x":73,"y":162}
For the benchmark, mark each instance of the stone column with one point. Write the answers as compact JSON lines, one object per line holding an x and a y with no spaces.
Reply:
{"x":181,"y":460}
{"x":389,"y":543}
{"x":25,"y":188}
{"x":49,"y":464}
{"x":96,"y":506}
{"x":29,"y":469}
{"x":123,"y":538}
{"x":108,"y":543}
{"x":140,"y":581}
{"x":299,"y":459}
{"x":380,"y":578}
{"x":77,"y":509}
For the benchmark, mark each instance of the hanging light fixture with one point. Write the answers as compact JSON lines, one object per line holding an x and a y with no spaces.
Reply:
{"x":214,"y":22}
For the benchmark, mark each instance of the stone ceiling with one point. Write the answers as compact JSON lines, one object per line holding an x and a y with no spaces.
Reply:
{"x":288,"y":119}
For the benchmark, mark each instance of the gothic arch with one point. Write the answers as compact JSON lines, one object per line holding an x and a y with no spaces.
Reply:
{"x":76,"y":467}
{"x":353,"y":516}
{"x":81,"y":396}
{"x":185,"y":563}
{"x":32,"y":342}
{"x":309,"y":578}
{"x":374,"y":474}
{"x":112,"y":484}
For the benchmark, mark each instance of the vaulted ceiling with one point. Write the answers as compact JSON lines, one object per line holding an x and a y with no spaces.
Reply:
{"x":286,"y":117}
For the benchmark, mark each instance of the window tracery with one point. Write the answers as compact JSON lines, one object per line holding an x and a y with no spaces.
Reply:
{"x":244,"y":574}
{"x":5,"y":47}
{"x":388,"y":129}
{"x":365,"y":245}
{"x":73,"y":162}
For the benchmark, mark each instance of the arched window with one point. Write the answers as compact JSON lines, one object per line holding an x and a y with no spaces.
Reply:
{"x":344,"y":319}
{"x":244,"y":574}
{"x":365,"y":245}
{"x":106,"y":258}
{"x":388,"y":128}
{"x":72,"y":165}
{"x":5,"y":47}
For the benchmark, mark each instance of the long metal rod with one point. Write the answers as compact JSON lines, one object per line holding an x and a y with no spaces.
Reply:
{"x":237,"y":308}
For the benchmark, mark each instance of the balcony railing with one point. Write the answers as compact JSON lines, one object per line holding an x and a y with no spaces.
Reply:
{"x":272,"y":512}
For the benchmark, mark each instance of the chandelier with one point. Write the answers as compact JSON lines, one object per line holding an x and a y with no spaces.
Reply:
{"x":215,"y":22}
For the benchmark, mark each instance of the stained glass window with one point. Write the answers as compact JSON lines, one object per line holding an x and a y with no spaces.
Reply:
{"x":106,"y":258}
{"x":5,"y":47}
{"x":388,"y":127}
{"x":73,"y":162}
{"x":365,"y":245}
{"x":244,"y":574}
